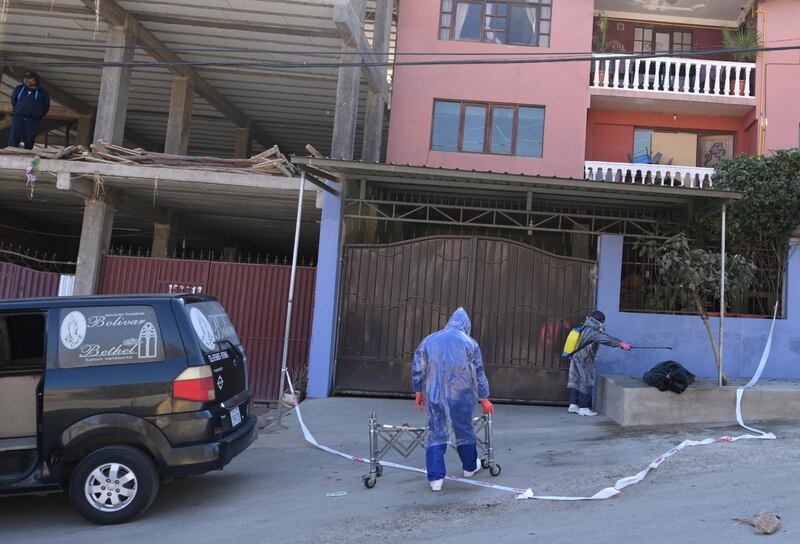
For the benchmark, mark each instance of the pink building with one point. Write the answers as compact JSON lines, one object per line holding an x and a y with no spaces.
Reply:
{"x":622,"y":116}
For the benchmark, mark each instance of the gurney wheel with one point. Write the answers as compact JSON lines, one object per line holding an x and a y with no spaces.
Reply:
{"x":494,"y":470}
{"x":484,"y":463}
{"x":379,"y":470}
{"x":369,"y":482}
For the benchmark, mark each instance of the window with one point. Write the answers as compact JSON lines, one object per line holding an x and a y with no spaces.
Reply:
{"x":642,"y":40}
{"x":21,"y":343}
{"x":517,"y":22}
{"x":109,"y":335}
{"x":500,"y":129}
{"x":446,"y":120}
{"x":681,"y":41}
{"x":211,"y":324}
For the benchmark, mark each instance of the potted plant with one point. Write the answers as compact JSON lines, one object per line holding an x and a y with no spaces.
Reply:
{"x":599,"y":45}
{"x":744,"y":41}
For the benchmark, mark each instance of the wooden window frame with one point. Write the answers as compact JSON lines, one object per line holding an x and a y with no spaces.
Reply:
{"x":655,"y":29}
{"x":489,"y":107}
{"x":537,"y":4}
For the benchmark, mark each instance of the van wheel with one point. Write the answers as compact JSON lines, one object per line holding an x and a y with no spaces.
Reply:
{"x":113,"y":485}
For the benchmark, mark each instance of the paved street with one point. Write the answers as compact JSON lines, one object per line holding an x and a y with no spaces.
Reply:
{"x":276,"y":491}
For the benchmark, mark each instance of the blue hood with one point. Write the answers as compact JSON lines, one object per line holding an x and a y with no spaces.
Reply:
{"x":460,"y":320}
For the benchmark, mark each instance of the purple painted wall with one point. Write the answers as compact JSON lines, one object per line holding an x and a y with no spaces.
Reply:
{"x":563,"y":89}
{"x":744,"y":338}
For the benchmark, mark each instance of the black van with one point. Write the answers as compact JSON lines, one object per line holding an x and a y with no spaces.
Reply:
{"x":106,"y":397}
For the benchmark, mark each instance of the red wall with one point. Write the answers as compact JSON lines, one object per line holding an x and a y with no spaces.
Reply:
{"x":255,"y":297}
{"x":609,"y":134}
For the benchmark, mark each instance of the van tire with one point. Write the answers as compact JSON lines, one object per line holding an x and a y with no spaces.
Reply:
{"x":133,"y":460}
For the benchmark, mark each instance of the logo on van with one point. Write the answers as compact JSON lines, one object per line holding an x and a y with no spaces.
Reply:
{"x":203,"y":329}
{"x":73,"y":330}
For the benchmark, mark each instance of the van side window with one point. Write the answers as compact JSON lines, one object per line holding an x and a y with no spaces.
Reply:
{"x":108,"y":335}
{"x":21,"y":343}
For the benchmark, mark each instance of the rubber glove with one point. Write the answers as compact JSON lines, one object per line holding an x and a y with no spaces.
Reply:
{"x":625,"y":346}
{"x":488,"y":407}
{"x":420,"y":401}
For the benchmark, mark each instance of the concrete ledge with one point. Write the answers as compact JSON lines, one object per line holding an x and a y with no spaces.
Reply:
{"x":629,"y":401}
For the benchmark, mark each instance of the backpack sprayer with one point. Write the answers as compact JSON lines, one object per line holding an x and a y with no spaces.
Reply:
{"x":574,"y":336}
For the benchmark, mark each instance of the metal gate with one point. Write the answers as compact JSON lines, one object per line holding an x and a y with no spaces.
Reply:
{"x":254,"y":295}
{"x":20,"y":282}
{"x":522,"y":302}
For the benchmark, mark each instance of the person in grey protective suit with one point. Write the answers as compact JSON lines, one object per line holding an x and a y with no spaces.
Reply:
{"x":448,"y":379}
{"x":581,"y":366}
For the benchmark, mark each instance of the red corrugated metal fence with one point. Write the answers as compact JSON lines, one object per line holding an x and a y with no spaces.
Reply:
{"x":20,"y":282}
{"x":254,"y":296}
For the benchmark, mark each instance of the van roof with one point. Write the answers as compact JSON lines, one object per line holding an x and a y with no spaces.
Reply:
{"x":101,"y":300}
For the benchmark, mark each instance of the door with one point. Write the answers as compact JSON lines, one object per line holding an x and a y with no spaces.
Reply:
{"x":713,"y":148}
{"x":22,"y":362}
{"x":522,"y":302}
{"x":662,"y":45}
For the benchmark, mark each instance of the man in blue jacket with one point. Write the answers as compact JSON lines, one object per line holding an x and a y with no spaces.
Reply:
{"x":30,"y":104}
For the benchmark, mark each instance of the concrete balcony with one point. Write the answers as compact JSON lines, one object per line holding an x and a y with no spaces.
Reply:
{"x":673,"y":85}
{"x":649,"y":174}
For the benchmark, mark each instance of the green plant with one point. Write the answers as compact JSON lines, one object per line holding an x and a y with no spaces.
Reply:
{"x":761,"y":224}
{"x":601,"y":36}
{"x":747,"y":37}
{"x":696,"y":275}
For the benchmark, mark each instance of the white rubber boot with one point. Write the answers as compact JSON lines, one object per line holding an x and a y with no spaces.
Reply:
{"x":471,"y":473}
{"x":436,"y":485}
{"x":573,"y":409}
{"x":586,"y":412}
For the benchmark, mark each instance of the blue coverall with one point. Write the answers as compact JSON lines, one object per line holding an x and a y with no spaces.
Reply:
{"x":448,"y":369}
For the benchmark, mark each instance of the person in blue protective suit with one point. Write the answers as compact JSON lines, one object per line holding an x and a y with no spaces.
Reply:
{"x":448,"y":380}
{"x":581,"y":366}
{"x":30,"y":103}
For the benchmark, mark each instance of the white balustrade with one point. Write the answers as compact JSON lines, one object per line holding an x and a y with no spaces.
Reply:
{"x":666,"y":175}
{"x":673,"y":75}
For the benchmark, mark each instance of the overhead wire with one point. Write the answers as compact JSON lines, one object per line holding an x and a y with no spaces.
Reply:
{"x":556,"y":58}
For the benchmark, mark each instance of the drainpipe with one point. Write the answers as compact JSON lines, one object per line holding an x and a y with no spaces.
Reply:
{"x":762,"y":119}
{"x":722,"y":292}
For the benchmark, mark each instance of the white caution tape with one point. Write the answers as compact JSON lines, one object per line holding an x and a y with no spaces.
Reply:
{"x":523,"y":493}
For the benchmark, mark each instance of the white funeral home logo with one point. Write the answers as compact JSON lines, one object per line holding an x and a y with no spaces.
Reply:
{"x":111,"y":337}
{"x":73,"y":330}
{"x":204,"y":330}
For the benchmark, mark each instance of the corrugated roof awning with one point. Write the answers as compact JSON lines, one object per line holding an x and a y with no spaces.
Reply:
{"x":567,"y":191}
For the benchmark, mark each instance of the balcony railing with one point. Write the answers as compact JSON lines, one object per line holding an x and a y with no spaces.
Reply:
{"x":673,"y":75}
{"x":650,"y":174}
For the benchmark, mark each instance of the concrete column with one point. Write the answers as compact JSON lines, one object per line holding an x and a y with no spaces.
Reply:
{"x":324,"y":325}
{"x":609,"y":273}
{"x":98,"y":220}
{"x":243,"y":147}
{"x":230,"y":254}
{"x":373,"y":124}
{"x":83,"y":135}
{"x":163,"y":240}
{"x":112,"y":105}
{"x":347,"y":87}
{"x":180,"y":116}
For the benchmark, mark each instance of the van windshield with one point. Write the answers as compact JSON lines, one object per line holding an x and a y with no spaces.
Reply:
{"x":211,"y":324}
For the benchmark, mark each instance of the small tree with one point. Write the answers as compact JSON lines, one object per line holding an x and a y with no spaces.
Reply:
{"x":601,"y":36}
{"x":760,"y":225}
{"x":696,"y":275}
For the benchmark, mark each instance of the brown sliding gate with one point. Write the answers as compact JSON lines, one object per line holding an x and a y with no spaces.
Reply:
{"x":522,"y":302}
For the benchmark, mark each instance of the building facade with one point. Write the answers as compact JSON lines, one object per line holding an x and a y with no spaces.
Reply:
{"x":670,"y":115}
{"x":509,"y":122}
